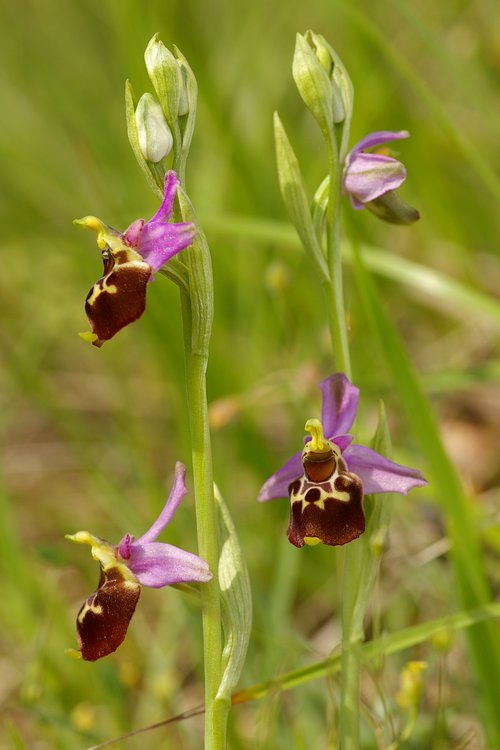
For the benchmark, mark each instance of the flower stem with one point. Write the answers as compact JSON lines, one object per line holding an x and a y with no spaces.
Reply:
{"x":208,"y":547}
{"x":353,"y":610}
{"x":352,"y":607}
{"x":335,"y":292}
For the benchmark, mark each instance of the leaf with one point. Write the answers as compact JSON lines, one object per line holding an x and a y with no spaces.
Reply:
{"x":236,"y":596}
{"x":294,"y":196}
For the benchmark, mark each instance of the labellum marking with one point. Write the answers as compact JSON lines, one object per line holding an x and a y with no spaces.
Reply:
{"x":326,"y":502}
{"x":103,"y":620}
{"x":118,"y":298}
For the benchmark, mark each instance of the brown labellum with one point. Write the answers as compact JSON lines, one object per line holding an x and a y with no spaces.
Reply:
{"x":103,"y":620}
{"x":326,"y":503}
{"x":118,"y":298}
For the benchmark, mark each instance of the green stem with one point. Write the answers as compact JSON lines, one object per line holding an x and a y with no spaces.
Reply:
{"x":334,"y":287}
{"x":206,"y":521}
{"x":353,"y":610}
{"x":352,"y":607}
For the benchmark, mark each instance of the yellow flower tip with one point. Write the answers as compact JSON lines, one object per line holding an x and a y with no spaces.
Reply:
{"x":73,"y":653}
{"x":88,"y":336}
{"x":318,"y":444}
{"x":81,"y":537}
{"x":90,"y":222}
{"x":312,"y":541}
{"x":104,"y":552}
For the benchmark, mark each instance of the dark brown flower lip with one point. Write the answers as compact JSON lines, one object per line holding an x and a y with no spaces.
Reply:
{"x":330,"y":512}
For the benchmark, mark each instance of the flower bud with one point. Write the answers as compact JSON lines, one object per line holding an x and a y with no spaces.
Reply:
{"x":164,"y":72}
{"x":341,"y":90}
{"x":314,"y":84}
{"x":187,"y":100}
{"x":155,"y":138}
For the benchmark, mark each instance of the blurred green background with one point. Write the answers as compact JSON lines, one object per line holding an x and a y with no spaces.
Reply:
{"x":90,"y":437}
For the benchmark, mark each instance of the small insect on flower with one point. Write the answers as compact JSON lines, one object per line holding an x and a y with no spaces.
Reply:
{"x":326,"y":481}
{"x":130,"y":259}
{"x":103,"y":620}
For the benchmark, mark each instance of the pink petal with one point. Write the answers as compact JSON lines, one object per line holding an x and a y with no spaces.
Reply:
{"x":158,"y":241}
{"x":379,"y":474}
{"x":177,"y":492}
{"x":376,"y":139}
{"x":340,"y":404}
{"x":171,"y":184}
{"x":342,"y":441}
{"x":277,"y":484}
{"x":157,"y":565}
{"x":369,"y":176}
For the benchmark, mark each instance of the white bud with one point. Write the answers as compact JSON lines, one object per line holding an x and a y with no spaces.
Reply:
{"x":155,"y":138}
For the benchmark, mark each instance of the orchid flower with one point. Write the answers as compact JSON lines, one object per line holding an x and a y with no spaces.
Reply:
{"x":130,"y":259}
{"x":370,"y":178}
{"x":326,"y":481}
{"x":103,"y":620}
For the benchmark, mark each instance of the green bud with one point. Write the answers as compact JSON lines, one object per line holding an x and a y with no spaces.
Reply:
{"x":324,"y":53}
{"x":155,"y":138}
{"x":187,"y":100}
{"x":164,"y":72}
{"x":342,"y":91}
{"x":183,"y":102}
{"x":314,"y":84}
{"x":391,"y":208}
{"x":186,"y":92}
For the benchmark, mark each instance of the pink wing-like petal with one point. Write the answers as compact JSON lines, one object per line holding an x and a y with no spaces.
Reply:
{"x":369,"y":176}
{"x":156,"y":565}
{"x":177,"y":492}
{"x":171,"y":184}
{"x":340,"y":404}
{"x":159,"y":241}
{"x":277,"y":484}
{"x":379,"y":474}
{"x":376,"y":139}
{"x":342,"y":441}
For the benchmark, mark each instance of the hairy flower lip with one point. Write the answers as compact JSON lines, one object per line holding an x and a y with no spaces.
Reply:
{"x":377,"y":473}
